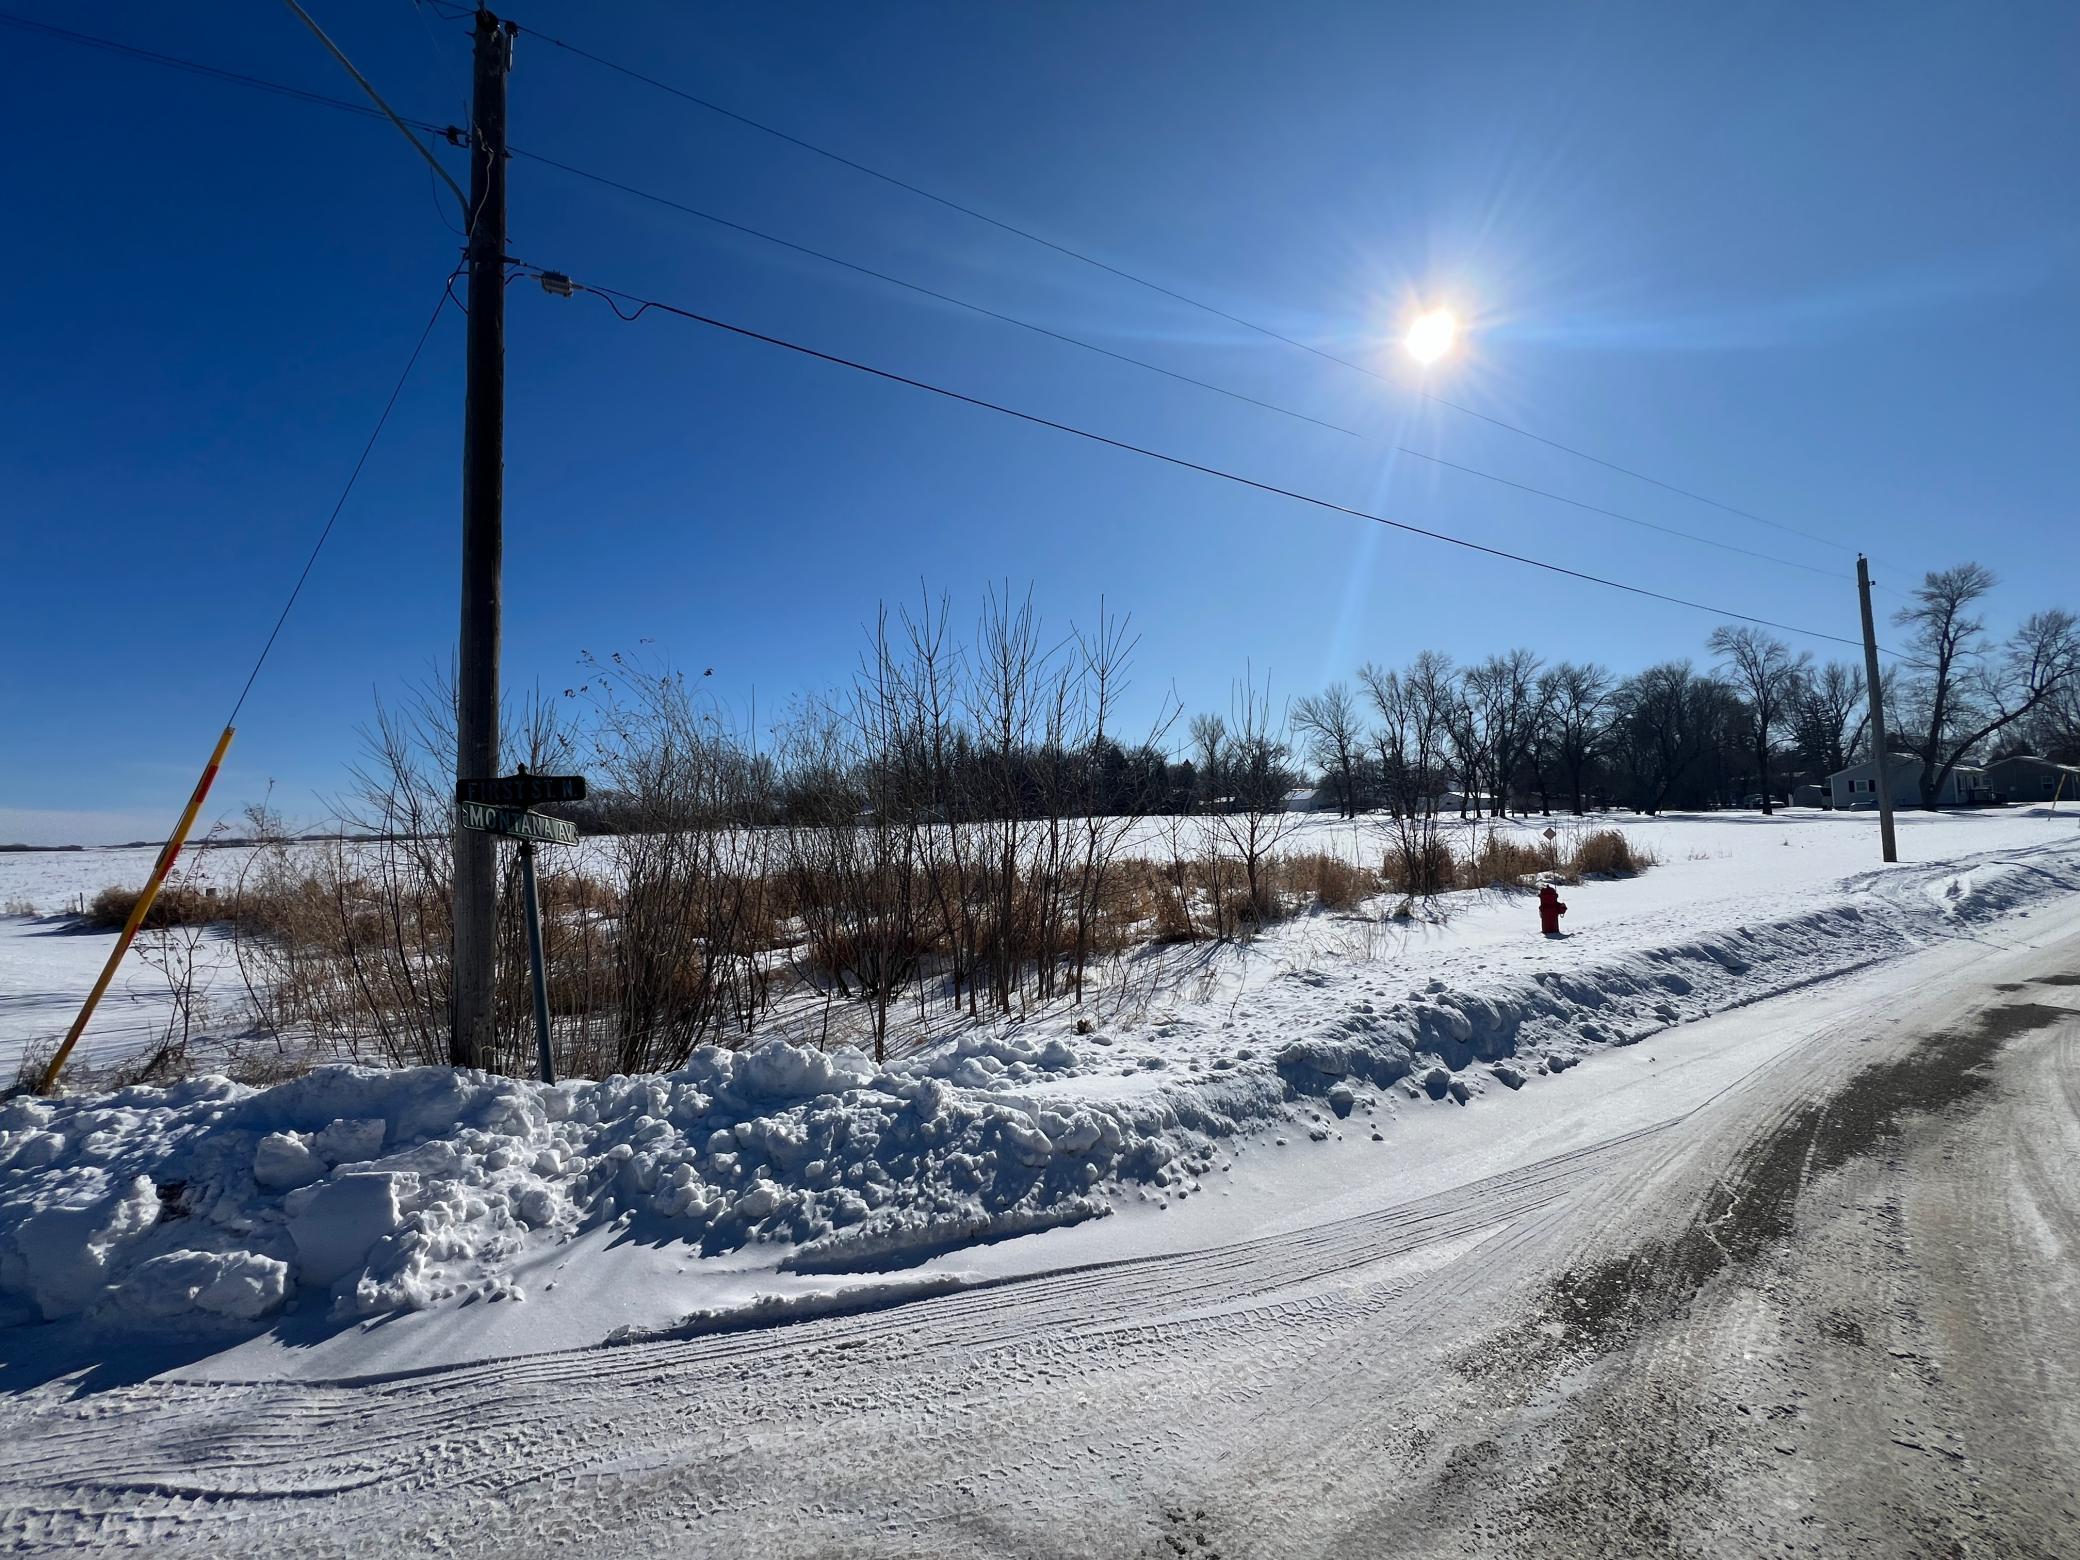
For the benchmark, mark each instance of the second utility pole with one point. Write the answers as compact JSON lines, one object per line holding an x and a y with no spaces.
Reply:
{"x":1877,"y":691}
{"x":483,"y":545}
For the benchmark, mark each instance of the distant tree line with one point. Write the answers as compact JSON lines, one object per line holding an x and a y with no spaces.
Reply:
{"x":1513,"y":731}
{"x":1509,"y":731}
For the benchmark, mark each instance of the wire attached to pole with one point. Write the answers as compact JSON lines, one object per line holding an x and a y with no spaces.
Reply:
{"x":376,"y":98}
{"x":341,"y":503}
{"x":639,"y":306}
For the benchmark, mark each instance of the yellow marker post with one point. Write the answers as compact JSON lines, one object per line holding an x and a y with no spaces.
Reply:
{"x":140,"y":910}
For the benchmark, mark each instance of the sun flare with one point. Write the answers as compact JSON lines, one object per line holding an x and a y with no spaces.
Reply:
{"x":1431,"y":335}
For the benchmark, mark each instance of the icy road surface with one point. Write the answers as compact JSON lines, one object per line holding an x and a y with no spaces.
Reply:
{"x":1802,"y":1283}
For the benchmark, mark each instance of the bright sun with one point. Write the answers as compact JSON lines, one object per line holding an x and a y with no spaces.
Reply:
{"x":1430,"y":337}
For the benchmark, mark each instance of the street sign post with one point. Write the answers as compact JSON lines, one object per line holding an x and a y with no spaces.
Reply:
{"x":517,"y":823}
{"x":539,"y":977}
{"x":500,"y":805}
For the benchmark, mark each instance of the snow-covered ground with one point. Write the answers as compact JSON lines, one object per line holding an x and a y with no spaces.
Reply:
{"x":355,"y":1220}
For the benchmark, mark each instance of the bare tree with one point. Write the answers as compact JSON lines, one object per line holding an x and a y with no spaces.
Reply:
{"x":1467,"y":740}
{"x":1502,"y":699}
{"x":1106,"y":814}
{"x":685,"y":958}
{"x":1968,"y":686}
{"x":1668,"y":719}
{"x":1335,"y":735}
{"x":2053,"y":729}
{"x":1209,"y":739}
{"x":1578,"y":706}
{"x":1412,"y":741}
{"x":1829,"y":717}
{"x":1256,"y":819}
{"x":1003,"y":698}
{"x":1769,"y":678}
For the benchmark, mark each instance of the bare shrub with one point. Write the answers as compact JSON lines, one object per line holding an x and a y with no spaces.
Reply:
{"x":681,"y":966}
{"x":343,"y":944}
{"x":1422,"y":864}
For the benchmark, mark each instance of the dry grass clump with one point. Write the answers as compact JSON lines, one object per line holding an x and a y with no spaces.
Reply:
{"x":1417,"y":868}
{"x":1501,"y":861}
{"x":1498,"y":859}
{"x":1608,"y":853}
{"x":258,"y":1065}
{"x":1326,"y":882}
{"x":1208,"y":898}
{"x":175,"y":906}
{"x":573,"y":893}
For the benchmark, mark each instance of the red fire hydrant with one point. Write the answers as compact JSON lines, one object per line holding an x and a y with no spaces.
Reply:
{"x":1550,"y":909}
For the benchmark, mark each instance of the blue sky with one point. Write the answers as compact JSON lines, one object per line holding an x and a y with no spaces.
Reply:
{"x":1812,"y":261}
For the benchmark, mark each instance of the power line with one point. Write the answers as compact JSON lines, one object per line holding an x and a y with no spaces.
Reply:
{"x":366,"y":111}
{"x":341,"y":503}
{"x":615,"y":298}
{"x":1086,"y":258}
{"x":324,"y":100}
{"x":198,"y":68}
{"x":1142,"y":363}
{"x":368,"y":89}
{"x":924,"y":291}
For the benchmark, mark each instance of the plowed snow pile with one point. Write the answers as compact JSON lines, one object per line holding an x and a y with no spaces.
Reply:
{"x":360,"y":1191}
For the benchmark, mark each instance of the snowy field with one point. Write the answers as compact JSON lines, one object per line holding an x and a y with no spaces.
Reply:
{"x":359,"y":1220}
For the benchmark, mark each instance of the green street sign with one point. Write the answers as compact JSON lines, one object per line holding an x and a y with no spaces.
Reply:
{"x":517,"y":823}
{"x":522,"y":789}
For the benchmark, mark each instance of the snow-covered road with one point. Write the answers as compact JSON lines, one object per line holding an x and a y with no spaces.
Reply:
{"x":1733,"y":1291}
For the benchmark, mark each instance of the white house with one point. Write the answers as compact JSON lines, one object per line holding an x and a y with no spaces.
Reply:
{"x":1857,"y":786}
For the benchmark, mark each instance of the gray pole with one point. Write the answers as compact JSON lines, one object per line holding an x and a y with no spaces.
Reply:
{"x":483,"y":545}
{"x":534,"y":960}
{"x":1870,"y":676}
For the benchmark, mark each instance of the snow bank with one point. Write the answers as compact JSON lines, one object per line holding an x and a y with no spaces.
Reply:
{"x":381,"y":1190}
{"x":212,"y":1206}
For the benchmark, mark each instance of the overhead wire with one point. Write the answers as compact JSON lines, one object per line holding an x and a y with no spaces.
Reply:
{"x":1142,"y":363}
{"x":200,"y":68}
{"x":368,"y":89}
{"x":214,"y":72}
{"x":450,"y":10}
{"x":345,"y":492}
{"x":615,"y":298}
{"x":1086,"y":258}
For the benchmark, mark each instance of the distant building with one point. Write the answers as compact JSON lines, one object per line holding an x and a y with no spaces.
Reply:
{"x":1477,"y":802}
{"x":1311,"y":798}
{"x":1857,"y":786}
{"x":2026,"y":779}
{"x":1809,"y":796}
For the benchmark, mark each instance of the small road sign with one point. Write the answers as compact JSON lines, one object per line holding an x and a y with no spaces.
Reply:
{"x":517,"y":823}
{"x":1552,"y":834}
{"x":521,"y":790}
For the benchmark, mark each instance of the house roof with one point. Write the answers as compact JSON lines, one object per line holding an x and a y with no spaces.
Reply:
{"x":1896,"y":761}
{"x":2036,"y":761}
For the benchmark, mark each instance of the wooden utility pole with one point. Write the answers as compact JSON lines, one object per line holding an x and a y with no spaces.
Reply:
{"x":483,"y":543}
{"x":1870,"y":676}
